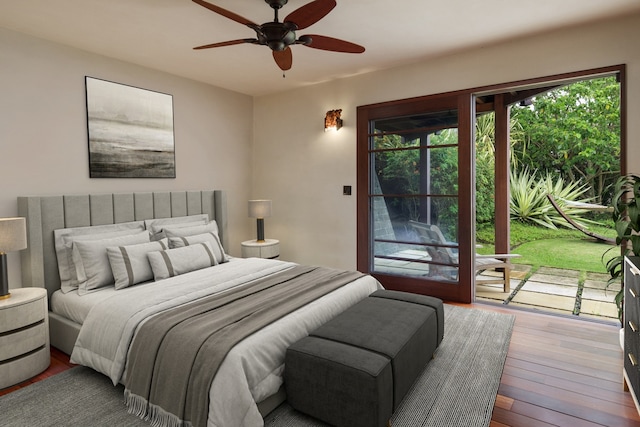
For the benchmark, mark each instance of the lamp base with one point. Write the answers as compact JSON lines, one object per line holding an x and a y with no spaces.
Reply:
{"x":260,"y":229}
{"x":4,"y":279}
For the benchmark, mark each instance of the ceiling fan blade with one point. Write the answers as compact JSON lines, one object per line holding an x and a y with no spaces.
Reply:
{"x":228,"y":43}
{"x":284,"y":58}
{"x":225,"y":13}
{"x":334,"y":45}
{"x":310,"y":13}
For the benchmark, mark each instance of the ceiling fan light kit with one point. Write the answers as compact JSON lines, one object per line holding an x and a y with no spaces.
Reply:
{"x":278,"y":36}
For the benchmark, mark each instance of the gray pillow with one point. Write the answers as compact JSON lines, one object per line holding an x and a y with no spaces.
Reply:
{"x":64,"y":238}
{"x":173,"y":262}
{"x":92,"y":262}
{"x":211,"y":227}
{"x":130,"y":264}
{"x":156,"y":226}
{"x":211,"y":237}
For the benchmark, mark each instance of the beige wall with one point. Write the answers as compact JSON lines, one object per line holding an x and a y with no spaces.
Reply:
{"x":303,"y":170}
{"x":43,"y":134}
{"x":268,"y":147}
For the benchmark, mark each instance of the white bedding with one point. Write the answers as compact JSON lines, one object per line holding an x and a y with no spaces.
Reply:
{"x":77,"y":307}
{"x":251,"y":371}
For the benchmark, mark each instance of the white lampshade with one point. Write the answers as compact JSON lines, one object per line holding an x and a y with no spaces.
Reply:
{"x":13,"y":234}
{"x":259,"y":208}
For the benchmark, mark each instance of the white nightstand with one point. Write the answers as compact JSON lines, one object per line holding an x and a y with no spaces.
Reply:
{"x":24,"y":335}
{"x":269,"y":248}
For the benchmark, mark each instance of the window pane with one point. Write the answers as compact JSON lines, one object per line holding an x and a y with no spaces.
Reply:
{"x":417,"y":171}
{"x":406,"y":245}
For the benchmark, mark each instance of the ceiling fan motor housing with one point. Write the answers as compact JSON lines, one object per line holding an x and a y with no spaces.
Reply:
{"x":277,"y":35}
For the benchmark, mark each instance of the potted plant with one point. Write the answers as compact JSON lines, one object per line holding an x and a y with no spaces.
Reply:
{"x":626,"y":217}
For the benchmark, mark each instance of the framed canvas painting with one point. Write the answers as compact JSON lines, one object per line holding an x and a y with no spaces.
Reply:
{"x":130,"y":131}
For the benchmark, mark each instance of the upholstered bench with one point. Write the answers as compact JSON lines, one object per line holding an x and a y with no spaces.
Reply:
{"x":356,"y":369}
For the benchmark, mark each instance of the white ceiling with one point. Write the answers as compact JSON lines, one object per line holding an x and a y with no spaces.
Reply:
{"x":160,"y":34}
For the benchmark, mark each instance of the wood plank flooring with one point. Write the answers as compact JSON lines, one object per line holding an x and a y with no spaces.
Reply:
{"x":559,"y":372}
{"x":562,"y":371}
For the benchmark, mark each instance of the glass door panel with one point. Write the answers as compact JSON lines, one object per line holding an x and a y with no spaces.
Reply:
{"x":414,"y":196}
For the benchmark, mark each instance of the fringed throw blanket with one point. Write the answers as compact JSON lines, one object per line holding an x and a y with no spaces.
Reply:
{"x":175,"y":354}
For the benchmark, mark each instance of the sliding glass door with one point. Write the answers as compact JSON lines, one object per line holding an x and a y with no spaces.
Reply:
{"x":414,"y":188}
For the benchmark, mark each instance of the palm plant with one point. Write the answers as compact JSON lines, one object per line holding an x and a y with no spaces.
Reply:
{"x":485,"y":132}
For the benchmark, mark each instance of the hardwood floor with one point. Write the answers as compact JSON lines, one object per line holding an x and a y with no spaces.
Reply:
{"x":562,"y":372}
{"x":559,"y":372}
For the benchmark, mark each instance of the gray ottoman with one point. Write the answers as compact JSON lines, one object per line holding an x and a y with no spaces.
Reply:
{"x":355,"y":369}
{"x":338,"y":383}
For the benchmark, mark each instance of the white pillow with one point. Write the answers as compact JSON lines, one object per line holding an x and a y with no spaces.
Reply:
{"x":211,"y":237}
{"x":211,"y":227}
{"x":130,"y":264}
{"x":92,"y":262}
{"x":173,"y":262}
{"x":156,"y":226}
{"x":64,"y":238}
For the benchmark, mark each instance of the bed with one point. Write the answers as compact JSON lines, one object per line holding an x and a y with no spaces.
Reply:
{"x":106,"y":321}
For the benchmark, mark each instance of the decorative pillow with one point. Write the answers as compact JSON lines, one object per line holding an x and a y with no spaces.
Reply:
{"x":64,"y":238}
{"x":156,"y":226}
{"x":130,"y":264}
{"x":211,"y":237}
{"x":173,"y":262}
{"x":92,"y":262}
{"x":211,"y":227}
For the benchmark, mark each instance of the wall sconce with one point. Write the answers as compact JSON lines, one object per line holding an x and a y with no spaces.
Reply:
{"x":332,"y":121}
{"x":13,"y":237}
{"x":260,"y":209}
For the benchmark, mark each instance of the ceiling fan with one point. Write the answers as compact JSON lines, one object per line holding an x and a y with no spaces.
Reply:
{"x":280,"y":35}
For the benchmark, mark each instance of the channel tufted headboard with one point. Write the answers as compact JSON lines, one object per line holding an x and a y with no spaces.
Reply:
{"x":47,"y":213}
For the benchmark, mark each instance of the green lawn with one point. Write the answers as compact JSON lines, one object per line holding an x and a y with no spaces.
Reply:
{"x":560,"y":248}
{"x":573,"y":254}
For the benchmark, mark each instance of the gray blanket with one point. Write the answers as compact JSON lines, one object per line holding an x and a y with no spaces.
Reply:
{"x":175,"y":354}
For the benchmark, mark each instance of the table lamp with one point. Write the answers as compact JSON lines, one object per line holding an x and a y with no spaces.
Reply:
{"x":260,"y":209}
{"x":13,"y":237}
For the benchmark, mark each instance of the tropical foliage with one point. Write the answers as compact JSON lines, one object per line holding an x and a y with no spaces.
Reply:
{"x":574,"y":132}
{"x":399,"y":173}
{"x":626,"y":216}
{"x":529,"y":202}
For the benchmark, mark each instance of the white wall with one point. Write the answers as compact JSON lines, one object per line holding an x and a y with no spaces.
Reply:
{"x":43,"y":131}
{"x":268,"y":147}
{"x":303,"y":170}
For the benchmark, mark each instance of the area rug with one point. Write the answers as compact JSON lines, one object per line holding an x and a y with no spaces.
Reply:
{"x":458,"y":387}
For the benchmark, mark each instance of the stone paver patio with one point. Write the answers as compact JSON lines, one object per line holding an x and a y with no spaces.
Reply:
{"x":569,"y":292}
{"x":565,"y":291}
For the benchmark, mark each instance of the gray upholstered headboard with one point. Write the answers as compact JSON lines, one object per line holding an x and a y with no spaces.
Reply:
{"x":47,"y":213}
